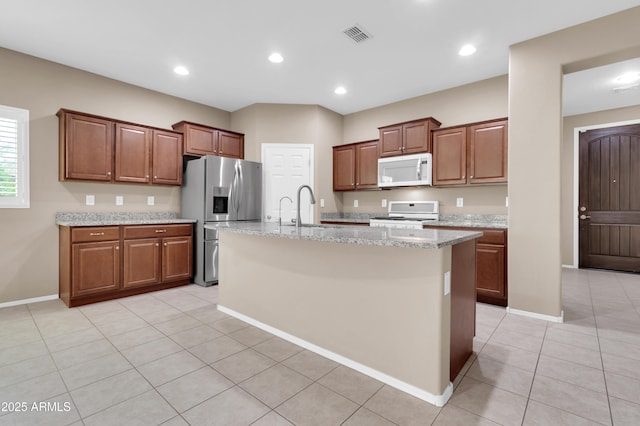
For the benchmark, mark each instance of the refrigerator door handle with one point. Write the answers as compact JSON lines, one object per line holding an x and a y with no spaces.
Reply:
{"x":235,"y":192}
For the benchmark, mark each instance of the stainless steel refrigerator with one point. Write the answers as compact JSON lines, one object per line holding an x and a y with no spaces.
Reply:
{"x":218,"y":189}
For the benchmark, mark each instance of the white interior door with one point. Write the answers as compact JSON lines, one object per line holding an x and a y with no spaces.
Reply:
{"x":286,"y":167}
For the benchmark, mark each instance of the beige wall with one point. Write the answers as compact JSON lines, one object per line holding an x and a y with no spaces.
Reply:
{"x":295,"y":124}
{"x":483,"y":100}
{"x":29,"y":255}
{"x":535,"y":132}
{"x":567,"y":173}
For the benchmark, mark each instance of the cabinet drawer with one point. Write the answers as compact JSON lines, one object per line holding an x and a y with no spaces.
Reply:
{"x":102,"y":233}
{"x":150,"y":231}
{"x":492,"y":237}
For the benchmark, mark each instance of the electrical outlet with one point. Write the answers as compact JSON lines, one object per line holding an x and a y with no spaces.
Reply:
{"x":90,"y":200}
{"x":355,"y":203}
{"x":119,"y":200}
{"x":447,"y":282}
{"x":321,"y":202}
{"x":384,"y":203}
{"x":459,"y":202}
{"x":506,"y":201}
{"x":151,"y":200}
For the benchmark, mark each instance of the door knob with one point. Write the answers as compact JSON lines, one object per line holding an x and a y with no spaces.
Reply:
{"x":584,"y":216}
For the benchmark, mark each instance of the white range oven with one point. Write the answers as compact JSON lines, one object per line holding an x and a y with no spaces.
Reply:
{"x":408,"y":214}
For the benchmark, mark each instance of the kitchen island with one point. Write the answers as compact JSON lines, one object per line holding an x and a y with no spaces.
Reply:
{"x":395,"y":304}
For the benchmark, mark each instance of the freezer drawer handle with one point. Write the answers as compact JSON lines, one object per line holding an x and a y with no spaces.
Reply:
{"x":96,"y":234}
{"x":160,"y":231}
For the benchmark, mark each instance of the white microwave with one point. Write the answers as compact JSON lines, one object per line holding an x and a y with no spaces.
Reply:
{"x":405,"y":170}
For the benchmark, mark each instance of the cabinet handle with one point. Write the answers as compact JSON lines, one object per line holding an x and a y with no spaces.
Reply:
{"x":147,"y":177}
{"x":96,"y":234}
{"x":464,"y":176}
{"x":157,"y":244}
{"x":165,"y":244}
{"x":160,"y":231}
{"x":108,"y":173}
{"x":117,"y":247}
{"x":155,"y":177}
{"x":470,"y":177}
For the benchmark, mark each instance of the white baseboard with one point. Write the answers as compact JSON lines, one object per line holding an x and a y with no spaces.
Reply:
{"x":26,"y":301}
{"x":437,"y":400}
{"x":535,"y":315}
{"x":570,"y":266}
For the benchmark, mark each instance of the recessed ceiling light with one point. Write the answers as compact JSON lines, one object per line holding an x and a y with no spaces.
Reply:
{"x":276,"y":58}
{"x":629,"y":77}
{"x":340,"y":90}
{"x":180,"y":70}
{"x":467,"y":49}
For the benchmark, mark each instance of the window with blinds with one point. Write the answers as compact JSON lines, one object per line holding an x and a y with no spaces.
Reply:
{"x":14,"y":157}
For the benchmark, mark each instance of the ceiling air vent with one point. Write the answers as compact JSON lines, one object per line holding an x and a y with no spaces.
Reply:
{"x":357,"y":33}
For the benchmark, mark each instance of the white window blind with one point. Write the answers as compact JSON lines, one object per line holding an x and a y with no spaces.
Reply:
{"x":14,"y":157}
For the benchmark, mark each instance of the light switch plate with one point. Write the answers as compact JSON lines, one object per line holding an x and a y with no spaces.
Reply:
{"x":119,"y":200}
{"x":321,"y":202}
{"x":355,"y":203}
{"x":384,"y":202}
{"x":459,"y":202}
{"x":151,"y":200}
{"x":90,"y":200}
{"x":506,"y":201}
{"x":447,"y":282}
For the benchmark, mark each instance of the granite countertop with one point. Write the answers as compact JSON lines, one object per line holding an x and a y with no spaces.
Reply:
{"x":118,"y":218}
{"x":448,"y":220}
{"x":472,"y":221}
{"x":347,"y":217}
{"x":412,"y":238}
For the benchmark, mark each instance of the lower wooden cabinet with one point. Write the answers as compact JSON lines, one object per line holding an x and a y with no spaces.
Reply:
{"x":491,"y":265}
{"x":102,"y":263}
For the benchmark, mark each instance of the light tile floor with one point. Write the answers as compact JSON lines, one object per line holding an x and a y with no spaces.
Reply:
{"x":171,"y":358}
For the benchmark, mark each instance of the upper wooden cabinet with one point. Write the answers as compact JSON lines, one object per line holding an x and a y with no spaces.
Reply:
{"x":470,"y":154}
{"x":204,"y":140}
{"x":167,"y":158}
{"x":410,"y":137}
{"x":355,"y":166}
{"x":86,"y":147}
{"x":101,"y":149}
{"x":133,"y":146}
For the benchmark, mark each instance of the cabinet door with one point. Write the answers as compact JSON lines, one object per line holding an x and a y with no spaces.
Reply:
{"x":488,"y":153}
{"x":416,"y":137}
{"x":344,"y":168}
{"x":367,"y":165}
{"x":88,"y":148}
{"x":450,"y":156}
{"x":490,"y":270}
{"x":141,"y":262}
{"x":96,"y":268}
{"x":177,"y":258}
{"x":133,"y":152}
{"x":199,"y":140}
{"x":230,"y":144}
{"x":391,"y":141}
{"x":167,"y":158}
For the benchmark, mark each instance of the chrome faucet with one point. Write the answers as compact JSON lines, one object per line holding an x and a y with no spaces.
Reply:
{"x":313,"y":201}
{"x":280,"y":209}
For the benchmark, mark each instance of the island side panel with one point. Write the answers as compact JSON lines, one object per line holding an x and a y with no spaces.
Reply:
{"x":463,"y":304}
{"x":383,"y":307}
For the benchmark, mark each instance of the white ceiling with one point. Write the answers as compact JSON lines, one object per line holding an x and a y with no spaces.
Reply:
{"x":225,"y":44}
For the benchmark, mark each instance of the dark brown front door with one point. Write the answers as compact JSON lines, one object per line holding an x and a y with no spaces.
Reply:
{"x":609,"y":199}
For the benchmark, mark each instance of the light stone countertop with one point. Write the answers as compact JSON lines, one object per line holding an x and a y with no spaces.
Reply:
{"x":411,"y":238}
{"x":118,"y":218}
{"x":446,"y":220}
